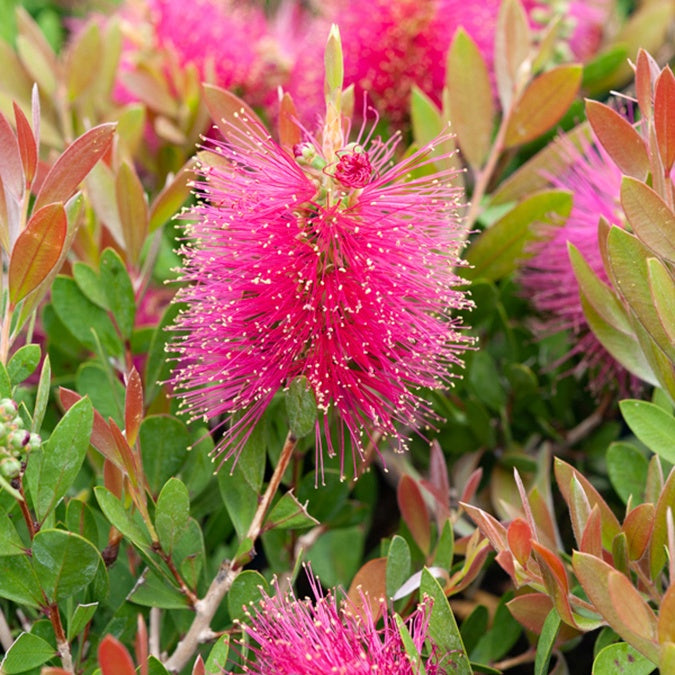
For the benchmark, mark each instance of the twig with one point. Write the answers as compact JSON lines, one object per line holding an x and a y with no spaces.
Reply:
{"x":525,"y":657}
{"x":6,"y":639}
{"x":153,"y":638}
{"x":61,"y":640}
{"x":200,"y":630}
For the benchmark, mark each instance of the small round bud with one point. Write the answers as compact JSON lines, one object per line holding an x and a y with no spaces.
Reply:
{"x":10,"y":467}
{"x":18,"y":439}
{"x":34,"y":442}
{"x":7,"y":409}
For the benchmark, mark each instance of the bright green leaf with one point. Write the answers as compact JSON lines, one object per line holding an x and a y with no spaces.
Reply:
{"x":652,"y":425}
{"x":27,"y":652}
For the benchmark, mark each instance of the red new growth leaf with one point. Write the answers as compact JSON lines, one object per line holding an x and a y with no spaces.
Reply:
{"x":520,"y":540}
{"x":369,"y":587}
{"x":198,"y":668}
{"x":113,"y":658}
{"x":624,"y":145}
{"x":228,"y":110}
{"x":36,"y":251}
{"x":591,"y":538}
{"x":133,"y":406}
{"x":555,"y":579}
{"x":290,"y":133}
{"x":414,"y":512}
{"x":74,"y":164}
{"x":27,"y":145}
{"x":11,"y":171}
{"x":664,"y":118}
{"x":638,"y":527}
{"x":666,"y":623}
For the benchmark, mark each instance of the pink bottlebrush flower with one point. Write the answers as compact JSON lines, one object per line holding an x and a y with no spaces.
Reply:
{"x":583,"y":22}
{"x":548,"y":278}
{"x":391,"y":45}
{"x":319,"y":635}
{"x":335,"y":265}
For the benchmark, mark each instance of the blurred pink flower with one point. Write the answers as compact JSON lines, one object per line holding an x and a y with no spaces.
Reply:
{"x":338,"y":268}
{"x":548,"y":278}
{"x":318,"y":635}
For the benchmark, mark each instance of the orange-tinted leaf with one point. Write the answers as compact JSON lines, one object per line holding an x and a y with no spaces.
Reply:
{"x":11,"y":170}
{"x":113,"y":479}
{"x":228,"y":111}
{"x":650,"y":217}
{"x":471,"y":485}
{"x":591,"y":538}
{"x":369,"y":587}
{"x":564,"y":474}
{"x":290,"y":133}
{"x":72,"y":166}
{"x":489,"y":526}
{"x":133,"y":406}
{"x":657,"y":552}
{"x":644,"y":67}
{"x":546,"y":527}
{"x":414,"y":512}
{"x":542,"y":104}
{"x":512,"y":47}
{"x":624,"y":145}
{"x":666,"y":623}
{"x":113,"y":658}
{"x":631,"y":608}
{"x":664,"y":117}
{"x":638,"y":526}
{"x":27,"y":145}
{"x":198,"y":668}
{"x":519,"y":536}
{"x":555,"y":579}
{"x":37,"y":250}
{"x":531,"y":610}
{"x":132,"y":207}
{"x":472,"y":108}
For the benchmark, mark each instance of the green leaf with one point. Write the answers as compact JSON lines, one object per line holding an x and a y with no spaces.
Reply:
{"x":662,"y":287}
{"x":27,"y":652}
{"x":89,"y":282}
{"x":472,"y":107}
{"x":300,"y":407}
{"x":546,"y":642}
{"x":240,"y":499}
{"x":164,"y":443}
{"x":398,"y":564}
{"x":103,"y":388}
{"x":156,"y":667}
{"x":5,"y":382}
{"x":64,"y":562}
{"x":414,"y":657}
{"x":51,"y":471}
{"x":23,"y":363}
{"x":501,"y":637}
{"x":42,"y":395}
{"x":18,"y":582}
{"x":168,"y":202}
{"x":337,"y":555}
{"x":120,"y":518}
{"x":500,"y":249}
{"x":627,"y":468}
{"x":158,"y":364}
{"x":217,"y":659}
{"x":245,"y":590}
{"x":289,"y":514}
{"x":172,"y":513}
{"x":156,"y":591}
{"x":621,"y":659}
{"x":80,"y":617}
{"x":652,"y":425}
{"x":10,"y":541}
{"x":119,"y":291}
{"x":542,"y":104}
{"x":484,"y":382}
{"x":442,"y":625}
{"x":83,"y":318}
{"x":133,"y":209}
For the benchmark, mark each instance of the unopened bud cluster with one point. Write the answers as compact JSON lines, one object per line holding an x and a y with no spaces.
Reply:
{"x":15,"y":441}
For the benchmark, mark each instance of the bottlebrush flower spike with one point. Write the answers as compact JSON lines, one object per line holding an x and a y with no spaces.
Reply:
{"x":548,"y":278}
{"x":332,"y":262}
{"x":318,"y":635}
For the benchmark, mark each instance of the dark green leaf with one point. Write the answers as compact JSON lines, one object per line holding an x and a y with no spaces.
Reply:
{"x":546,"y":641}
{"x":105,"y":391}
{"x":158,"y":367}
{"x":627,"y":469}
{"x":300,"y":407}
{"x":122,"y":519}
{"x":217,"y":660}
{"x":164,"y":442}
{"x":80,"y":618}
{"x":18,"y":581}
{"x":289,"y":514}
{"x":27,"y":652}
{"x":10,"y":541}
{"x":398,"y":564}
{"x":245,"y":590}
{"x":64,"y":562}
{"x":155,"y":591}
{"x":484,"y":381}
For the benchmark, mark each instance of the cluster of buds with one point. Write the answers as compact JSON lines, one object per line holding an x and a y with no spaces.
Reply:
{"x":15,"y":441}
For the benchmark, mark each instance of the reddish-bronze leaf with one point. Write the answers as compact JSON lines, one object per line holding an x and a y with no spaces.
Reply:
{"x":531,"y":610}
{"x":369,"y":587}
{"x":229,"y":112}
{"x":11,"y":170}
{"x":414,"y":512}
{"x":664,"y":117}
{"x":519,"y":536}
{"x":643,"y":82}
{"x":616,"y":134}
{"x":666,"y":623}
{"x":638,"y":526}
{"x":73,"y":165}
{"x":650,"y":217}
{"x":542,"y":104}
{"x":489,"y":526}
{"x":198,"y":668}
{"x":113,"y":658}
{"x":472,"y":107}
{"x":547,"y":533}
{"x":133,"y":406}
{"x":27,"y":145}
{"x":657,"y":553}
{"x":631,"y":608}
{"x":36,"y":250}
{"x":113,"y":479}
{"x":290,"y":133}
{"x":471,"y":485}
